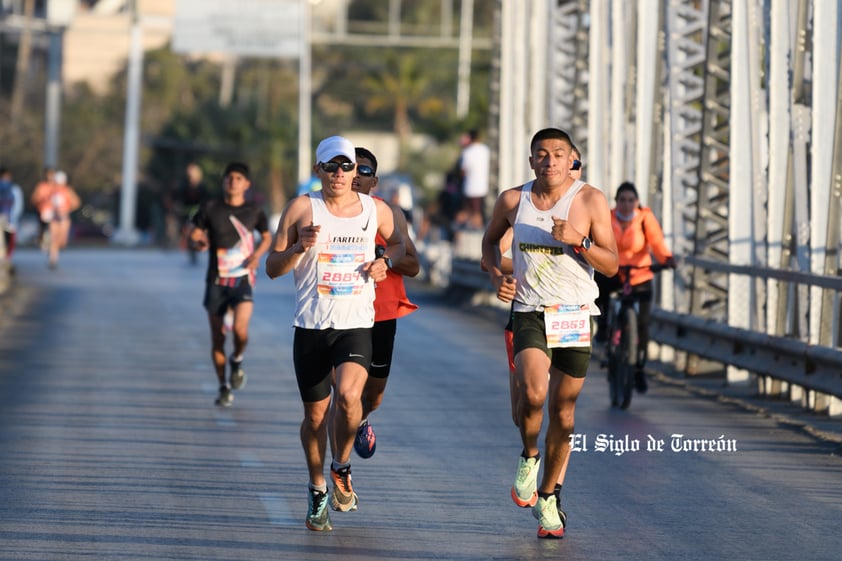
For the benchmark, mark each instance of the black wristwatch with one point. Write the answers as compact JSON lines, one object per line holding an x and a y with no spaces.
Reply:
{"x":586,"y":243}
{"x":388,"y":261}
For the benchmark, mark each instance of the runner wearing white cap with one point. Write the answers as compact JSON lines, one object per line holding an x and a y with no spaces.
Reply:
{"x":327,"y":239}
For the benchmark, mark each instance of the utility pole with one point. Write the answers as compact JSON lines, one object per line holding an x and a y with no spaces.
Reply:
{"x":466,"y":36}
{"x":52,"y":119}
{"x":127,"y":234}
{"x":24,"y":56}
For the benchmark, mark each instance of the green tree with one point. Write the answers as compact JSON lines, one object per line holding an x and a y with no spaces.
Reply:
{"x":403,"y":86}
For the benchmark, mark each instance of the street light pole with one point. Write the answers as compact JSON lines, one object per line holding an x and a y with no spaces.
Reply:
{"x":305,"y":99}
{"x":127,"y":234}
{"x":466,"y":32}
{"x":52,"y":120}
{"x":60,"y":14}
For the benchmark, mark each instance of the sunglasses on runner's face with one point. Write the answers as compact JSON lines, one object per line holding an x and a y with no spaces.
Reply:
{"x":331,"y":167}
{"x":365,"y":171}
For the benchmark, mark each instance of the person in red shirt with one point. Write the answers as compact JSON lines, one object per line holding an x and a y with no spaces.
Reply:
{"x":639,"y":236}
{"x":390,"y":303}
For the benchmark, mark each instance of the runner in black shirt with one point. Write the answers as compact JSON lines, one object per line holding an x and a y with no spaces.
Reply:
{"x":226,"y":228}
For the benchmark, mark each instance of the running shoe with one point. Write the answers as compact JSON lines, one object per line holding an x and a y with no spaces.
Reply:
{"x":525,"y":489}
{"x":549,"y":522}
{"x":343,"y":497}
{"x":561,"y":513}
{"x":226,"y":396}
{"x":318,"y":516}
{"x":365,"y":443}
{"x":238,"y":375}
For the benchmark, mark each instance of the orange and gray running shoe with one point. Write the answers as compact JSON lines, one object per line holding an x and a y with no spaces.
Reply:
{"x":342,"y":498}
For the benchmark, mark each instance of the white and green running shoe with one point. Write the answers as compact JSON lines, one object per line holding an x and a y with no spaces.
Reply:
{"x":525,"y":489}
{"x":549,"y":522}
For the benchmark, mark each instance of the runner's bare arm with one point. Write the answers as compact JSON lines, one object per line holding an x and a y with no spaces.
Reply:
{"x":602,"y":255}
{"x":253,"y":260}
{"x":296,"y":234}
{"x":500,"y":223}
{"x":395,"y":247}
{"x":409,"y":265}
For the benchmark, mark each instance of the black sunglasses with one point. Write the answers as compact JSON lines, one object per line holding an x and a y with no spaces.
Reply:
{"x":331,"y":167}
{"x":365,"y":171}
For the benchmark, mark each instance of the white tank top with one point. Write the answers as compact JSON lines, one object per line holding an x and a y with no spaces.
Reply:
{"x":331,"y":289}
{"x":548,"y":271}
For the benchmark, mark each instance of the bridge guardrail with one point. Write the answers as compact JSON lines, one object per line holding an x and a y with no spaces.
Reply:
{"x":796,"y":362}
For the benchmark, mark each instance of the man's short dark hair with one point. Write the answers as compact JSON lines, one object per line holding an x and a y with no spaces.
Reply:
{"x":550,"y":133}
{"x":361,"y":152}
{"x":238,"y":167}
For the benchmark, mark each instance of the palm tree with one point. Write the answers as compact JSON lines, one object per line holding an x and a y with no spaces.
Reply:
{"x":404,"y":86}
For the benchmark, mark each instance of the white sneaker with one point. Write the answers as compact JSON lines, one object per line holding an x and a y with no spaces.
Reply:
{"x":525,"y":489}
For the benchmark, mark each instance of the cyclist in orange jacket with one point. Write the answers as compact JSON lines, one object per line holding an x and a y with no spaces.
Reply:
{"x":639,"y":236}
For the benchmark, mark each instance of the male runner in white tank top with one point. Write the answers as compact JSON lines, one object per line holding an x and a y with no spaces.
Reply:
{"x":562,"y":232}
{"x":327,"y":239}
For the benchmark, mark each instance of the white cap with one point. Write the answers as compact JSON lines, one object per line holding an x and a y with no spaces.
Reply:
{"x":333,"y":146}
{"x":60,"y":177}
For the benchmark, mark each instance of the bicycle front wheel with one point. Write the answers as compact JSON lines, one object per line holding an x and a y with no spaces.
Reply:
{"x":627,"y":351}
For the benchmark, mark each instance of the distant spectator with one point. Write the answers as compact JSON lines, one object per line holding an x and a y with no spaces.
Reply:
{"x":475,"y":164}
{"x":11,"y":206}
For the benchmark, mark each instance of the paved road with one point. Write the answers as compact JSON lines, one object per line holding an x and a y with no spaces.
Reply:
{"x":112,"y":449}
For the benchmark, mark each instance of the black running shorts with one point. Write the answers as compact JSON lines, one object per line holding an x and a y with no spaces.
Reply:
{"x":219,"y":298}
{"x":382,"y":344}
{"x":529,"y":332}
{"x":316,"y":352}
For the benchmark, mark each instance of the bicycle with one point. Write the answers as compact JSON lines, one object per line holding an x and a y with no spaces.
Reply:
{"x":621,"y":351}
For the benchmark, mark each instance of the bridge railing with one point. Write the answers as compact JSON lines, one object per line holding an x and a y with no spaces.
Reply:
{"x":782,"y":366}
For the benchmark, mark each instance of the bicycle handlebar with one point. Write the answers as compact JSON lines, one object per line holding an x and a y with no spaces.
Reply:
{"x":624,"y":273}
{"x":654,"y":267}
